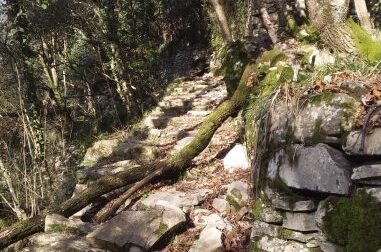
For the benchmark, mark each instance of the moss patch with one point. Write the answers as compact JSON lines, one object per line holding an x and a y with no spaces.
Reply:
{"x":163,"y":228}
{"x":258,"y":209}
{"x":355,"y":223}
{"x":59,"y":228}
{"x":233,"y":202}
{"x":365,"y":44}
{"x":234,"y":59}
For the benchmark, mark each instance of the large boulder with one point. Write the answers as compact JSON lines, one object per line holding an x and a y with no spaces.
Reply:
{"x":326,"y":115}
{"x":319,"y":168}
{"x":137,"y":228}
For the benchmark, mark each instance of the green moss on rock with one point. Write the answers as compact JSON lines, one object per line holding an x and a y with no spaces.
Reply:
{"x":233,"y":202}
{"x":258,"y":209}
{"x":355,"y":223}
{"x":365,"y":44}
{"x":60,"y":228}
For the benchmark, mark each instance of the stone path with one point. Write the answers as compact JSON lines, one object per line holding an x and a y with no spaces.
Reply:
{"x":207,"y":210}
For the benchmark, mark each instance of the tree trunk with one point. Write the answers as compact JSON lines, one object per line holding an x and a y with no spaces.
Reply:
{"x":329,"y":18}
{"x":170,"y":167}
{"x":363,"y":14}
{"x":222,"y":21}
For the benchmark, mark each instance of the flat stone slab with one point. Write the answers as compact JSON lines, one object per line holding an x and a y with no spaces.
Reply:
{"x":286,"y":203}
{"x":367,"y":172}
{"x":272,"y":244}
{"x":200,"y":113}
{"x":372,"y":143}
{"x":319,"y":168}
{"x":48,"y":242}
{"x":300,"y":221}
{"x":141,"y":228}
{"x":262,"y":228}
{"x":156,"y":122}
{"x":183,"y":200}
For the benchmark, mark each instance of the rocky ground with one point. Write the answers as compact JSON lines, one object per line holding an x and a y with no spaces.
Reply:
{"x":207,"y":210}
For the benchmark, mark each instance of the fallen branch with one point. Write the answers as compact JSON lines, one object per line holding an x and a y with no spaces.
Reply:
{"x":173,"y":166}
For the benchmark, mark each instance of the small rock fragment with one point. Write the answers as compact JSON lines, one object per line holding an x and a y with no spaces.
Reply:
{"x":237,"y":159}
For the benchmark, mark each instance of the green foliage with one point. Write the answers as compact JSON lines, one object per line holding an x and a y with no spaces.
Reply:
{"x":355,"y":223}
{"x":365,"y":44}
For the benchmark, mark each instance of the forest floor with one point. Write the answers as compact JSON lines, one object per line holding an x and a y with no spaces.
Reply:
{"x":168,"y":128}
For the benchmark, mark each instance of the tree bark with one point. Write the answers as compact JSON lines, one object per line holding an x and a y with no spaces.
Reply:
{"x":363,"y":14}
{"x":222,"y":21}
{"x":329,"y":18}
{"x":173,"y":166}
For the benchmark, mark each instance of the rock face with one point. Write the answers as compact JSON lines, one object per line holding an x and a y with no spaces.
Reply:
{"x":320,"y":168}
{"x":372,"y":143}
{"x":326,"y":115}
{"x":141,"y":228}
{"x":237,"y":159}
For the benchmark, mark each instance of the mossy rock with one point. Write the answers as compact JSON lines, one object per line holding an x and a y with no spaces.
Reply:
{"x":365,"y":44}
{"x":355,"y":223}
